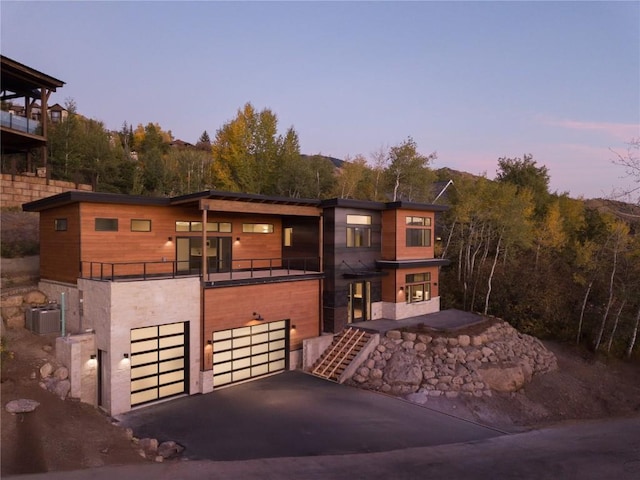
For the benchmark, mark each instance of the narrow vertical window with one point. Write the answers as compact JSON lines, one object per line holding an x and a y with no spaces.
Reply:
{"x":288,"y":236}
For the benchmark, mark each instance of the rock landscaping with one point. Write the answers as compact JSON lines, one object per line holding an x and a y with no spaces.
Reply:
{"x":434,"y":364}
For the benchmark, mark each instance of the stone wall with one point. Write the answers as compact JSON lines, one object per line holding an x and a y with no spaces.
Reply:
{"x":12,"y":306}
{"x":420,"y":365}
{"x":18,"y":189}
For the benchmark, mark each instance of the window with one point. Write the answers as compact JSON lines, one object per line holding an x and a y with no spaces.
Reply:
{"x":418,"y":287}
{"x":417,"y":234}
{"x":60,"y":224}
{"x":186,"y":226}
{"x":183,"y":226}
{"x":140,"y":225}
{"x":106,"y":224}
{"x":358,"y":236}
{"x":257,"y":228}
{"x":288,"y":236}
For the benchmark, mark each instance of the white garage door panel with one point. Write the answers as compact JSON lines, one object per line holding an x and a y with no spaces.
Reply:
{"x":158,"y":362}
{"x":249,"y":352}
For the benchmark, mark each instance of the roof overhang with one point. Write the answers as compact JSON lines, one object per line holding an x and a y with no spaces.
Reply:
{"x":77,"y":196}
{"x":26,"y":81}
{"x":401,"y":264}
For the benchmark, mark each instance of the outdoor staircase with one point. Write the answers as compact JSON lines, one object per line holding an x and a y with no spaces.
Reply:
{"x":346,"y":346}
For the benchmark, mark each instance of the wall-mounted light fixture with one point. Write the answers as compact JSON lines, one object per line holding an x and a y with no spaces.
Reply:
{"x":93,"y":357}
{"x":401,"y":290}
{"x":238,"y":239}
{"x":170,"y":239}
{"x":293,"y":327}
{"x":209,"y":342}
{"x":126,"y":356}
{"x":257,"y":316}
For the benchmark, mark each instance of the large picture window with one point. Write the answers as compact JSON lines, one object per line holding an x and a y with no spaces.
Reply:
{"x":418,"y":231}
{"x":359,"y":231}
{"x":418,"y":287}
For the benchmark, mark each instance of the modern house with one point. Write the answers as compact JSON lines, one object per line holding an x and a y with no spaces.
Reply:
{"x":171,"y":296}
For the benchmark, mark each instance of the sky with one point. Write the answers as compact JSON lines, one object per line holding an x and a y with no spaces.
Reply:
{"x":471,"y":81}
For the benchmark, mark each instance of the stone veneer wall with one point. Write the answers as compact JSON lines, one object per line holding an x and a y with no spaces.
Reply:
{"x":18,"y":189}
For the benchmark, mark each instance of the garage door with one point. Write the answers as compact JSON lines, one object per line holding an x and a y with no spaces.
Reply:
{"x":249,"y":352}
{"x":159,"y":362}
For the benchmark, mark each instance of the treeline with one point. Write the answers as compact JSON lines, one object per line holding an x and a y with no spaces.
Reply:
{"x":553,"y":266}
{"x":247,"y":154}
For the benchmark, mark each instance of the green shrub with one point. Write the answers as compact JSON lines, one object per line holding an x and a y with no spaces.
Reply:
{"x":15,"y":249}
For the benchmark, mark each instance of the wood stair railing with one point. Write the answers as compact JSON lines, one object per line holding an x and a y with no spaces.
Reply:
{"x":341,"y":352}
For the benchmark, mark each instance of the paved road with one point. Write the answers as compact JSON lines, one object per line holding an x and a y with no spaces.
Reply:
{"x":296,"y":415}
{"x":600,"y":450}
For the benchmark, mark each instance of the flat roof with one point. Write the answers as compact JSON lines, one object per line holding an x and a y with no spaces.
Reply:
{"x":75,"y":196}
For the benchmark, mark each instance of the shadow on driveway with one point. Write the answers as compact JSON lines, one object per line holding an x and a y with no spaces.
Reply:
{"x":294,"y":415}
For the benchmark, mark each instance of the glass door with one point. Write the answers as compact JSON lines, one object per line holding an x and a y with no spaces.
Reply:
{"x":359,"y":302}
{"x":189,"y":254}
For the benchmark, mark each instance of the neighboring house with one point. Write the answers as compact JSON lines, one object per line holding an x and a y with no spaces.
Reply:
{"x":56,"y":113}
{"x":172,"y":296}
{"x":22,"y":129}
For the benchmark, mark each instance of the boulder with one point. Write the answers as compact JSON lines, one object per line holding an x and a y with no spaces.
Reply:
{"x":23,"y":405}
{"x":394,"y":334}
{"x":169,"y":449}
{"x":402,"y":370}
{"x":16,"y":321}
{"x":62,"y":388}
{"x":503,"y":378}
{"x":11,"y":301}
{"x":35,"y":297}
{"x":46,"y":370}
{"x":61,"y":373}
{"x":8,"y":312}
{"x":149,"y":445}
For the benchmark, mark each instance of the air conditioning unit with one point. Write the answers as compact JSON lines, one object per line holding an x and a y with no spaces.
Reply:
{"x":30,"y":313}
{"x":47,"y":320}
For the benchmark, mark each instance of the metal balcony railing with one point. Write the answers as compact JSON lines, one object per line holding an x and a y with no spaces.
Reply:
{"x":241,"y":269}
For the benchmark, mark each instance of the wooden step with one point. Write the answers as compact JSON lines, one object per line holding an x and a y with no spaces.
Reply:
{"x":344,"y":348}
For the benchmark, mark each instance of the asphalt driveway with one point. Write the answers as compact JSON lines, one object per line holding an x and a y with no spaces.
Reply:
{"x":294,"y":415}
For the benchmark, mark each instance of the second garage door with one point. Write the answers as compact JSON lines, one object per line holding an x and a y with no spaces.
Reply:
{"x":249,"y":352}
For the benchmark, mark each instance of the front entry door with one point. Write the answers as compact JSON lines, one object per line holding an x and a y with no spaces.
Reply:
{"x":359,"y":302}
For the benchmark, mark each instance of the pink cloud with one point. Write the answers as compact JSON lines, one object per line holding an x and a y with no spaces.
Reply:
{"x":621,"y":131}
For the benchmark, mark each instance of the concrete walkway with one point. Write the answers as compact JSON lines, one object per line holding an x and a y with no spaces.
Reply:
{"x":444,"y":320}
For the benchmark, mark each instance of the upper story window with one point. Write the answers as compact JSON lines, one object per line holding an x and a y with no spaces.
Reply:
{"x":418,"y":287}
{"x":140,"y":225}
{"x":60,"y":224}
{"x":189,"y":226}
{"x":257,"y":228}
{"x":359,"y":231}
{"x":106,"y":224}
{"x":418,"y":231}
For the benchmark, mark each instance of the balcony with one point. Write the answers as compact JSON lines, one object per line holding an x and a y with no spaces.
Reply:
{"x":22,"y":124}
{"x":243,"y":271}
